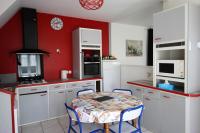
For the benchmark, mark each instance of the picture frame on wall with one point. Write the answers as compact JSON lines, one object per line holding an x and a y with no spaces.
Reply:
{"x":134,"y":48}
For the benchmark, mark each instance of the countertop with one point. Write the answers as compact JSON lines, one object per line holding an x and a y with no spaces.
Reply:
{"x":10,"y":88}
{"x":149,"y":85}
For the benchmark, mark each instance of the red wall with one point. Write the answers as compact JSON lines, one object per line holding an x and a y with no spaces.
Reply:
{"x":49,"y":40}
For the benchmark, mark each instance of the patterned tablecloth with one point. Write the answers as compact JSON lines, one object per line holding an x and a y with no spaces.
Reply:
{"x":90,"y":110}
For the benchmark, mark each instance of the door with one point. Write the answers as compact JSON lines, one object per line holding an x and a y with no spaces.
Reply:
{"x":170,"y":25}
{"x":56,"y":103}
{"x":172,"y":113}
{"x":151,"y":114}
{"x":91,"y":36}
{"x":33,"y":107}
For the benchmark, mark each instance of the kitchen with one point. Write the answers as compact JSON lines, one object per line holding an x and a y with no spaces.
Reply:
{"x":67,"y":53}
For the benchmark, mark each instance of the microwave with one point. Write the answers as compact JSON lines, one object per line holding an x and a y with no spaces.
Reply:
{"x":170,"y":68}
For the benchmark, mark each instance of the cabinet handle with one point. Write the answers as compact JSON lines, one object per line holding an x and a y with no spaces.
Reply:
{"x":85,"y":41}
{"x":166,"y":97}
{"x":43,"y":95}
{"x":148,"y":99}
{"x":138,"y":89}
{"x":158,"y":38}
{"x":57,"y":86}
{"x":61,"y":92}
{"x":70,"y":91}
{"x":150,"y":92}
{"x":34,"y":89}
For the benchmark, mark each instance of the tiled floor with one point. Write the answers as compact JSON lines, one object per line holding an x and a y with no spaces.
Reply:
{"x":58,"y":125}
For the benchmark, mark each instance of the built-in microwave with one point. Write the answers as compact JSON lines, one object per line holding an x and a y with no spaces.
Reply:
{"x":170,"y":68}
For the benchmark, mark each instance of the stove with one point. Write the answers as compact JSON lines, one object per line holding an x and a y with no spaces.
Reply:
{"x":32,"y":82}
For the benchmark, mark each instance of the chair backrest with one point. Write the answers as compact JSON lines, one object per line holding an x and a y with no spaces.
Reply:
{"x":73,"y":115}
{"x":130,"y":114}
{"x":85,"y":91}
{"x":125,"y":91}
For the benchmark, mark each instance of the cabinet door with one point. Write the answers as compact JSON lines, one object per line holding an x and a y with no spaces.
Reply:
{"x":33,"y":107}
{"x":56,"y":103}
{"x":170,"y":25}
{"x":172,"y":113}
{"x":70,"y":94}
{"x":90,"y":36}
{"x":137,"y":91}
{"x":151,"y":114}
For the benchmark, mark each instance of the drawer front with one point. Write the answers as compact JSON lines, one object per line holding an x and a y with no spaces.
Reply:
{"x":74,"y":85}
{"x":32,"y":89}
{"x":88,"y":83}
{"x":57,"y":87}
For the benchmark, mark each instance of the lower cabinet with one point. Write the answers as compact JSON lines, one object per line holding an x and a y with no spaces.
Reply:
{"x":70,"y":94}
{"x":172,"y":113}
{"x":151,"y":115}
{"x":163,"y":112}
{"x":56,"y":103}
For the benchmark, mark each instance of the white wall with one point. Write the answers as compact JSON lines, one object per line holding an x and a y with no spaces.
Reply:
{"x":132,"y":68}
{"x":119,"y":33}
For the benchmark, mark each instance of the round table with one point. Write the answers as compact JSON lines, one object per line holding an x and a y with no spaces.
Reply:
{"x":103,"y":107}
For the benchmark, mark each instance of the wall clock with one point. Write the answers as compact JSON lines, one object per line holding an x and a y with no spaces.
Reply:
{"x":56,"y":23}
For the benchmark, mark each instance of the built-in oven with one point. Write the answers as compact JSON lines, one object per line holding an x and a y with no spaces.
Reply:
{"x":91,"y":63}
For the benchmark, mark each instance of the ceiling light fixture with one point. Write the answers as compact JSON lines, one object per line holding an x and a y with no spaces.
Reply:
{"x":91,"y":4}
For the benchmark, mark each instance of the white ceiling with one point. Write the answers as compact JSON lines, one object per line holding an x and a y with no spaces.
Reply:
{"x":137,"y":12}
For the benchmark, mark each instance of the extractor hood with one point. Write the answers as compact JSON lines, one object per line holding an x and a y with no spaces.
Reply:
{"x":30,"y":33}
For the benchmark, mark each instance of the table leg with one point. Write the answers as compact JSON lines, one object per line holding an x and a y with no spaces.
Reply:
{"x":134,"y":122}
{"x":106,"y":127}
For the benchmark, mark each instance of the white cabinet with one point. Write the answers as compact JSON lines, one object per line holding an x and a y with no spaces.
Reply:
{"x":151,"y":115}
{"x":91,"y":36}
{"x":70,"y":94}
{"x":170,"y":25}
{"x":88,"y":85}
{"x":33,"y":104}
{"x":172,"y":113}
{"x":137,"y":91}
{"x":56,"y":103}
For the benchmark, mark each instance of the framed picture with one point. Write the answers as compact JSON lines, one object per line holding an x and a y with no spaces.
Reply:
{"x":134,"y":48}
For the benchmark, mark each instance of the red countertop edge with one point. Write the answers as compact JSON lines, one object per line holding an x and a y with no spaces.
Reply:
{"x":174,"y":92}
{"x":57,"y":82}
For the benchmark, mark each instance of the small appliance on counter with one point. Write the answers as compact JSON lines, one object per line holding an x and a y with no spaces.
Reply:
{"x":64,"y":74}
{"x":166,"y":86}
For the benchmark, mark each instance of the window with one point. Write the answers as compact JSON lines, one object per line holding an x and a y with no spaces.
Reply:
{"x":29,"y":65}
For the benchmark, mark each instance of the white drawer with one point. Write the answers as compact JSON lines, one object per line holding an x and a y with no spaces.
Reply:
{"x":74,"y":85}
{"x":88,"y":83}
{"x":32,"y":89}
{"x":56,"y":87}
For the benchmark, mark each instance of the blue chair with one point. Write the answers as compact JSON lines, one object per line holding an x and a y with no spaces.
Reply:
{"x":130,"y":113}
{"x":125,"y":91}
{"x":79,"y":127}
{"x":85,"y":91}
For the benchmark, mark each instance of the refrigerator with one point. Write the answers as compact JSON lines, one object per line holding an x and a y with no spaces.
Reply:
{"x":111,"y":75}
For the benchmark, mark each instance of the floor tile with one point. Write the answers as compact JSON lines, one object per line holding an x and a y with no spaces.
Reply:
{"x":34,"y":128}
{"x":52,"y":126}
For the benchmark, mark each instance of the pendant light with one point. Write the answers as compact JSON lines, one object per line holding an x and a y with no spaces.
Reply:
{"x":91,"y":4}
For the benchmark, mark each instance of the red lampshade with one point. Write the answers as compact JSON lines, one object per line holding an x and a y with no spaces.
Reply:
{"x":91,"y":4}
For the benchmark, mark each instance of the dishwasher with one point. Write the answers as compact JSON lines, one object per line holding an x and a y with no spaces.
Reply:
{"x":33,"y":105}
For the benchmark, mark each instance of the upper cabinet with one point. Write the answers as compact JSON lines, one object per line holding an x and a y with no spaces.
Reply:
{"x":91,"y":36}
{"x":170,"y":25}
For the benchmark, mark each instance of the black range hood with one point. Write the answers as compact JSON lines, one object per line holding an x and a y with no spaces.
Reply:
{"x":30,"y":33}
